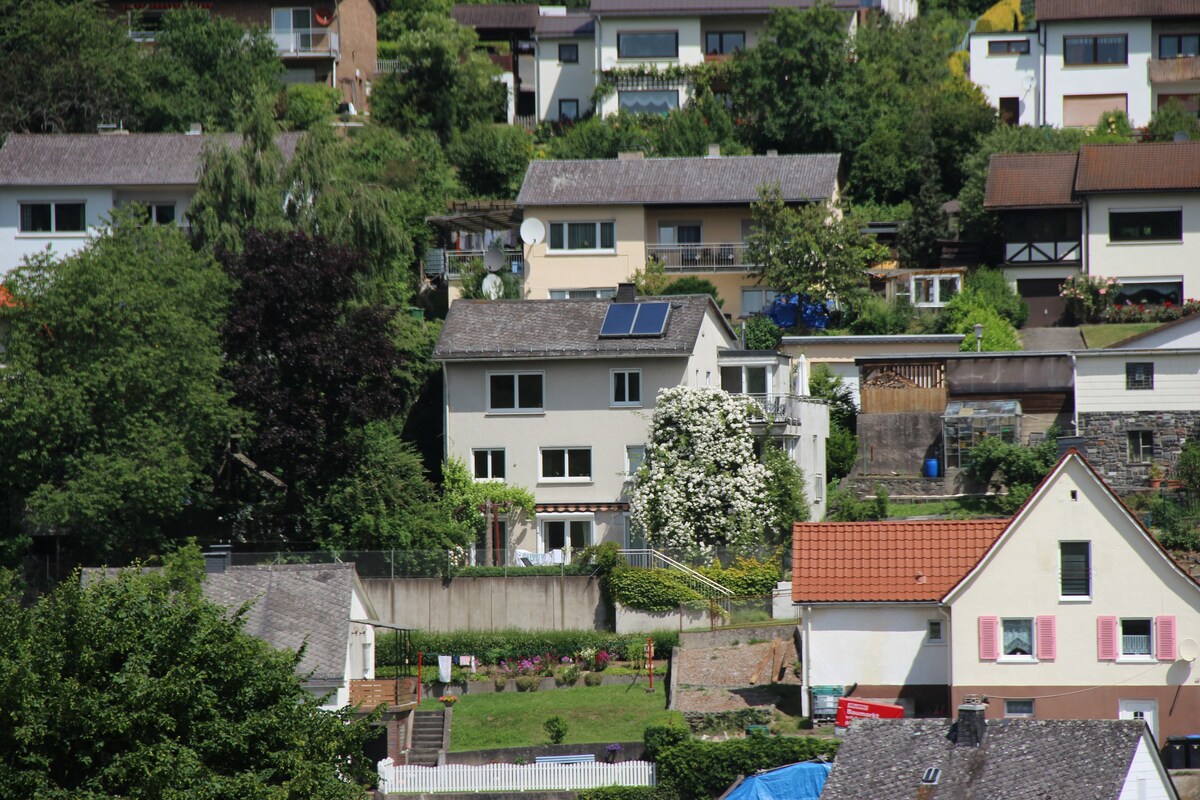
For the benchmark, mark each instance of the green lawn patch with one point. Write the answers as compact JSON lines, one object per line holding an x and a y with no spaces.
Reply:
{"x":964,"y":507}
{"x":1097,"y":336}
{"x":593,"y":714}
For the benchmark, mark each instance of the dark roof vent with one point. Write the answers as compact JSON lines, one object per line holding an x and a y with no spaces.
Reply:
{"x":217,"y":558}
{"x":626,"y":293}
{"x":971,"y":726}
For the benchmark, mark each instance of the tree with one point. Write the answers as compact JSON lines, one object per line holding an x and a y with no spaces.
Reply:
{"x":841,"y":449}
{"x":1171,"y":119}
{"x":917,"y":238}
{"x":307,"y":105}
{"x":701,"y":485}
{"x":785,"y":493}
{"x":129,"y":688}
{"x":690,"y":284}
{"x":492,"y":159}
{"x":113,"y":403}
{"x":969,"y":308}
{"x":811,"y":250}
{"x":760,"y":333}
{"x":996,"y":464}
{"x":466,"y":500}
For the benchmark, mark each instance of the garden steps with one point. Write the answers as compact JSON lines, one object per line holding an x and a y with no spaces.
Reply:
{"x":430,"y":737}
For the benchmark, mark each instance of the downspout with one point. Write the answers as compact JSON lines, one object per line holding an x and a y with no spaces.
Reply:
{"x":537,"y":79}
{"x":1075,"y":389}
{"x":445,"y":413}
{"x":805,"y":662}
{"x":1042,"y":38}
{"x":941,"y":607}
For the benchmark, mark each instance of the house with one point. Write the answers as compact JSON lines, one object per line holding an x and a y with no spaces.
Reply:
{"x":1068,"y":610}
{"x":600,"y":221}
{"x":556,"y":396}
{"x":1124,"y":211}
{"x":1000,"y":759}
{"x":332,"y":43}
{"x":1087,"y":57}
{"x":57,"y":190}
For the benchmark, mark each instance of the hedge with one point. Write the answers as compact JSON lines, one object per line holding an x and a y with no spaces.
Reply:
{"x":1003,"y":16}
{"x":619,"y":793}
{"x":492,"y":647}
{"x":696,"y":770}
{"x":746,"y":577}
{"x":652,"y":589}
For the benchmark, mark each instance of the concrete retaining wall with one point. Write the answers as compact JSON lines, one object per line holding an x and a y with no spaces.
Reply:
{"x":630,"y":751}
{"x":726,"y":637}
{"x":630,"y":620}
{"x":489,"y":604}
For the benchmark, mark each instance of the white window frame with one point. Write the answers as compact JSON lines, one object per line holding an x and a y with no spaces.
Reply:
{"x":937,"y":279}
{"x":671,"y":227}
{"x":54,"y":232}
{"x":568,"y":518}
{"x":1077,"y":598}
{"x":1135,"y":658}
{"x":612,"y":388}
{"x":1020,"y":714}
{"x":602,"y":293}
{"x":1141,"y":457}
{"x":1016,"y":658}
{"x":567,"y":250}
{"x":517,"y":408}
{"x":566,"y":450}
{"x":630,"y":470}
{"x":491,"y":451}
{"x":941,"y":635}
{"x":763,"y":303}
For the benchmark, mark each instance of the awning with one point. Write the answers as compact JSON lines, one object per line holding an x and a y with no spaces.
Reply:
{"x":567,"y":508}
{"x":477,"y":216}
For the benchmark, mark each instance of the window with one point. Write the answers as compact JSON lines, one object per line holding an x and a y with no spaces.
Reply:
{"x":489,"y":464}
{"x":568,"y":53}
{"x":1018,"y":638}
{"x":651,"y":44}
{"x":1007,"y":47}
{"x":53,"y":217}
{"x":582,"y":294}
{"x":1145,"y":226}
{"x":1139,"y":375}
{"x":934,"y":634}
{"x":1151,"y":292}
{"x":1010,"y":110}
{"x":1136,"y":638}
{"x":1178,"y":45}
{"x":368,"y":660}
{"x":145,"y":24}
{"x":934,"y":290}
{"x":625,"y":387}
{"x":1087,"y":50}
{"x":680,"y":233}
{"x":755,"y":301}
{"x":647,"y":101}
{"x":592,"y":236}
{"x":568,"y":109}
{"x":1018,"y":708}
{"x":559,"y":533}
{"x":515,"y":391}
{"x":1075,"y":569}
{"x":746,"y":380}
{"x":723,"y":42}
{"x":158,"y":213}
{"x":292,"y":29}
{"x":1086,"y":110}
{"x":635,"y":456}
{"x":1140,"y":446}
{"x":567,"y":463}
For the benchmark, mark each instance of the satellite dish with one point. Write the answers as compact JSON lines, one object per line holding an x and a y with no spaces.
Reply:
{"x":1189,"y":650}
{"x":493,"y":259}
{"x":493,"y":287}
{"x":533,"y":231}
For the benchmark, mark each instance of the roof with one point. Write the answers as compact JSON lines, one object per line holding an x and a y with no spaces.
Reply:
{"x":658,"y":8}
{"x":1054,"y":10}
{"x":91,"y":159}
{"x":1152,"y":166}
{"x":891,"y":561}
{"x":501,"y":329}
{"x":566,"y":26}
{"x":890,"y":338}
{"x":1030,"y":180}
{"x":673,"y":181}
{"x":294,"y":604}
{"x":522,"y":16}
{"x":1019,"y":758}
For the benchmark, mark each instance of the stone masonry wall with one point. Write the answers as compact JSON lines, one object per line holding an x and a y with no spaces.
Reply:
{"x":1106,"y":437}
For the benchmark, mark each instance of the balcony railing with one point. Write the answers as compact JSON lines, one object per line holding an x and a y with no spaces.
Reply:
{"x":702,"y":257}
{"x":319,"y":42}
{"x":1173,"y":70}
{"x":779,"y":408}
{"x":392,"y":692}
{"x":1041,"y":252}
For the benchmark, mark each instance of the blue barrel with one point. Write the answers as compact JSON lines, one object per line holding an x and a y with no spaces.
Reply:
{"x":932,"y":468}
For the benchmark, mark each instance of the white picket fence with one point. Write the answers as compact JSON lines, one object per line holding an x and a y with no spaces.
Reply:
{"x":404,"y":779}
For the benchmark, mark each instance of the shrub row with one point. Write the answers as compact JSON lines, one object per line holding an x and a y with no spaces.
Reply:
{"x":492,"y":647}
{"x":620,"y":793}
{"x":716,"y":721}
{"x":746,"y":577}
{"x":651,"y":589}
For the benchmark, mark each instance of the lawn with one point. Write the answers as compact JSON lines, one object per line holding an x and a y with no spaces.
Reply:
{"x":593,"y":714}
{"x":953,"y":507}
{"x":1096,"y":336}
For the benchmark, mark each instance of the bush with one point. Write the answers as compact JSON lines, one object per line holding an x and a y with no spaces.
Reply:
{"x":492,"y":647}
{"x":841,"y":451}
{"x":652,"y":589}
{"x":1005,"y":15}
{"x":501,"y":683}
{"x":619,"y":793}
{"x":696,"y":769}
{"x":762,"y":333}
{"x":994,"y":289}
{"x":690,"y":284}
{"x":593,"y":679}
{"x":1172,"y":118}
{"x":309,"y":104}
{"x":556,"y":729}
{"x":845,"y":507}
{"x":872,"y":315}
{"x":1187,"y":469}
{"x":746,"y":577}
{"x":492,"y":159}
{"x":660,"y":737}
{"x":966,"y":311}
{"x":717,"y":721}
{"x":529,"y":683}
{"x":568,"y":675}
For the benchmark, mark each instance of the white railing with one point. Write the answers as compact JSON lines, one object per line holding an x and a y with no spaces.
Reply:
{"x":777,"y":407}
{"x":1040,"y":252}
{"x":701,"y":257}
{"x":513,"y":777}
{"x":306,"y":41}
{"x":653,"y":559}
{"x":387,"y":65}
{"x":514,"y":260}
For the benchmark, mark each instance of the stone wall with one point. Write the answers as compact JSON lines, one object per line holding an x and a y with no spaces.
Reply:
{"x":898,"y":443}
{"x":1105,"y":435}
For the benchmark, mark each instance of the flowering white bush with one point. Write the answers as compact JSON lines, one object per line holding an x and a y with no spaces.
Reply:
{"x":701,"y":485}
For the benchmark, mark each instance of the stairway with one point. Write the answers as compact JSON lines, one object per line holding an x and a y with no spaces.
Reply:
{"x":427,"y":739}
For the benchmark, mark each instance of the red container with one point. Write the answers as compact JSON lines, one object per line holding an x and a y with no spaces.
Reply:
{"x":850,"y":709}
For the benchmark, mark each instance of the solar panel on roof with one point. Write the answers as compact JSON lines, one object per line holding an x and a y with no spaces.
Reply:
{"x":651,"y":319}
{"x":618,"y":320}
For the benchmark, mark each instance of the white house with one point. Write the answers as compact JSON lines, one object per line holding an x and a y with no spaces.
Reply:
{"x":1068,"y":610}
{"x":1086,"y":58}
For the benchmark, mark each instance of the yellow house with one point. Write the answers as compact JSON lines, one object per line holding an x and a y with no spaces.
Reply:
{"x":590,"y":224}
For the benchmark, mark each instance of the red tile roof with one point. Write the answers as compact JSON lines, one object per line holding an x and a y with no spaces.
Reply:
{"x":1152,"y":166}
{"x":887,"y":561}
{"x":1030,"y":180}
{"x":1051,"y":10}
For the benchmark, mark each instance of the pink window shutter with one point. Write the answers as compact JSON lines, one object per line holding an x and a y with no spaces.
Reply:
{"x":1106,"y":638}
{"x":1164,"y":638}
{"x":1047,"y":642}
{"x":989,"y":638}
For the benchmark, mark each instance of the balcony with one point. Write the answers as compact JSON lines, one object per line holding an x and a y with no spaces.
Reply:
{"x":306,"y":43}
{"x":1041,"y":252}
{"x":701,"y":257}
{"x":395,"y":693}
{"x":777,"y":408}
{"x":1174,"y":70}
{"x":450,"y":262}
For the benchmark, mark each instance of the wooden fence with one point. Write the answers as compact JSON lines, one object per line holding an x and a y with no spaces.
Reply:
{"x":898,"y":401}
{"x":404,"y":779}
{"x":904,"y":387}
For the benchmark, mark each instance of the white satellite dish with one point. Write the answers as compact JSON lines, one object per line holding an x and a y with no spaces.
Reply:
{"x":533,"y":231}
{"x":493,"y":259}
{"x":1189,"y":649}
{"x":492,"y":287}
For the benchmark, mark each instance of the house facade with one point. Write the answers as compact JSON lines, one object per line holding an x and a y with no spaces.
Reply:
{"x":1071,"y":611}
{"x":602,"y":220}
{"x":1088,"y":58}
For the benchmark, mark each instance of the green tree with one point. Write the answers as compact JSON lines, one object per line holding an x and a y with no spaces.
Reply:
{"x":127,"y":688}
{"x":761,"y":333}
{"x":970,"y":308}
{"x":997,"y":464}
{"x":112,"y":396}
{"x":994,"y":289}
{"x":307,"y":105}
{"x":492,"y":159}
{"x":594,"y":137}
{"x":690,"y":284}
{"x":785,"y":493}
{"x":841,"y":448}
{"x":917,"y":238}
{"x":465,"y":499}
{"x":1171,"y":119}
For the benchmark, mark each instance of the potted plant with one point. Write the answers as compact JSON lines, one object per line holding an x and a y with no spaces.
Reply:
{"x":448,"y":700}
{"x":1156,"y":475}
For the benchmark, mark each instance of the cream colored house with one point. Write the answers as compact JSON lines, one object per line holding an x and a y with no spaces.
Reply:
{"x":1069,"y":610}
{"x":538,"y":394}
{"x":602,"y":220}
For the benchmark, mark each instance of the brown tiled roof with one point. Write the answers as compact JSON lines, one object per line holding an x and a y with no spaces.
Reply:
{"x":1052,"y":10}
{"x":502,"y":15}
{"x":673,"y":181}
{"x":1030,"y":180}
{"x":892,"y":561}
{"x":1153,"y":166}
{"x":657,"y":8}
{"x":565,"y":27}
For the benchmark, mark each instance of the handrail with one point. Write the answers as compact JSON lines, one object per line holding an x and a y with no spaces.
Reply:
{"x":700,"y":583}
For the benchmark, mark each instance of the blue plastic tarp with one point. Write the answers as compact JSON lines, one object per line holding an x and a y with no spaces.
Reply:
{"x":793,"y":782}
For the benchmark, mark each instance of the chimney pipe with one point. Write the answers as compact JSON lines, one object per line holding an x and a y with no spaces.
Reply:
{"x":971,"y":725}
{"x":631,"y":155}
{"x":772,"y":152}
{"x":626,"y":293}
{"x":714,"y":150}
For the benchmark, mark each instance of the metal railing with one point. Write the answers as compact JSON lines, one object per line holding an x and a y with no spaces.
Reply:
{"x":451,"y":262}
{"x":306,"y":41}
{"x":776,"y":407}
{"x":654,"y":559}
{"x":701,"y":257}
{"x":387,"y":65}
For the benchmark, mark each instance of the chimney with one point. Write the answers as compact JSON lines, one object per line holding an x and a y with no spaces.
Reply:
{"x":631,"y":155}
{"x":772,"y":152}
{"x":626,"y":293}
{"x":216,"y":558}
{"x":112,"y":129}
{"x":714,"y":150}
{"x":196,"y":130}
{"x":971,"y":724}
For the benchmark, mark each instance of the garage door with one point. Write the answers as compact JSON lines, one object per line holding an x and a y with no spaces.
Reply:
{"x":1084,"y":110}
{"x":1046,"y":308}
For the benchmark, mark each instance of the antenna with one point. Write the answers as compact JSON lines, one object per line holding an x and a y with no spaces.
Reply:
{"x":533,"y":231}
{"x":1189,"y":649}
{"x":493,"y":258}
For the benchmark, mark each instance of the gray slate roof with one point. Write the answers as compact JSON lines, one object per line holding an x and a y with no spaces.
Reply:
{"x":499,"y":329}
{"x":568,"y":26}
{"x":90,"y":159}
{"x":1019,"y":758}
{"x":674,"y":181}
{"x":655,"y":8}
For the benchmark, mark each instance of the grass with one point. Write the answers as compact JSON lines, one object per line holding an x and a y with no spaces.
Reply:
{"x":593,"y":714}
{"x":1096,"y":336}
{"x":953,"y":507}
